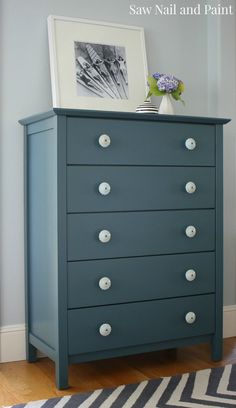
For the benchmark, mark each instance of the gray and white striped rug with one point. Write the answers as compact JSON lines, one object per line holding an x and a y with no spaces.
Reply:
{"x":206,"y":388}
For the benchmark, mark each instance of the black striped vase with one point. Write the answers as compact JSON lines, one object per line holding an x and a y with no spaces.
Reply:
{"x":146,"y":107}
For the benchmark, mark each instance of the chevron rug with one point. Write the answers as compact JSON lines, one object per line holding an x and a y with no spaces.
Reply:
{"x":206,"y":388}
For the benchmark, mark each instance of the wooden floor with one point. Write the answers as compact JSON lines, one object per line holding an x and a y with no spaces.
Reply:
{"x":23,"y":382}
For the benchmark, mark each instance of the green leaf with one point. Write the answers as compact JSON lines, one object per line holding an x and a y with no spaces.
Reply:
{"x":153,"y":87}
{"x":152,"y":81}
{"x":181,"y":87}
{"x":175,"y":95}
{"x":148,"y":95}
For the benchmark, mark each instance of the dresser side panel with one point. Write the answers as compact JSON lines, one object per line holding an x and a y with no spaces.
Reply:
{"x":217,"y":339}
{"x":42,"y":234}
{"x":61,"y":283}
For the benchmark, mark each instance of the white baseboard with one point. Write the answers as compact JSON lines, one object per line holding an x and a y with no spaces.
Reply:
{"x":12,"y":338}
{"x":229,"y":325}
{"x":12,"y":343}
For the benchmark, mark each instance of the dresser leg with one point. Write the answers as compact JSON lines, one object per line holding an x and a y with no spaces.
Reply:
{"x":216,"y":349}
{"x":62,"y":375}
{"x":31,"y":353}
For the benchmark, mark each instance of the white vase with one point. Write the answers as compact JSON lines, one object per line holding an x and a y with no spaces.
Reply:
{"x":166,"y":106}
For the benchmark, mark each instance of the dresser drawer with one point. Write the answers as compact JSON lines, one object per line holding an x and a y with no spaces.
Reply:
{"x":139,"y":233}
{"x":139,"y":323}
{"x":124,"y":188}
{"x":139,"y":142}
{"x":109,"y":281}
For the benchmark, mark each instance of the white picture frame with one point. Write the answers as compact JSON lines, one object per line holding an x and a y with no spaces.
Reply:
{"x":96,"y":65}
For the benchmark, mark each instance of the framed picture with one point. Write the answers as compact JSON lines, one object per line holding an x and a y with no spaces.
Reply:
{"x":96,"y":65}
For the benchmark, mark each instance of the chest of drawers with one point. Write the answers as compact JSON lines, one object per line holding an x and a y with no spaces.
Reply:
{"x":123,"y":237}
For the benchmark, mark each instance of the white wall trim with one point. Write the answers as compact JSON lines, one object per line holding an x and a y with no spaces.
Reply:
{"x":12,"y":343}
{"x":12,"y":338}
{"x":229,"y":326}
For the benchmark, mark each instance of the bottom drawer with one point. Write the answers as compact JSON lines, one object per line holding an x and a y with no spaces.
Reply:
{"x":139,"y":323}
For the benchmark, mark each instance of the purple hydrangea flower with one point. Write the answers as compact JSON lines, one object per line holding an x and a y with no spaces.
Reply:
{"x":157,"y":75}
{"x":167,"y":83}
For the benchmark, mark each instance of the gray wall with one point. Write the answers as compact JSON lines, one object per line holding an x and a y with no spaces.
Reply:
{"x":192,"y":48}
{"x":227,"y":107}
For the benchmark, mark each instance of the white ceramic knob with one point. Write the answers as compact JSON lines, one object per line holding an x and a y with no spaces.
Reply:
{"x":190,"y":317}
{"x":190,"y":231}
{"x":104,"y":236}
{"x":104,"y":283}
{"x":190,"y":143}
{"x":190,"y":275}
{"x":105,"y":329}
{"x":104,"y":140}
{"x":190,"y":187}
{"x":104,"y":188}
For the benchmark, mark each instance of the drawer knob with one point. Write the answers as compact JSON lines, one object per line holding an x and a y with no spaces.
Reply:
{"x":104,"y":283}
{"x":190,"y":275}
{"x":190,"y":231}
{"x":190,"y":187}
{"x":104,"y":236}
{"x":104,"y":140}
{"x":104,"y":188}
{"x":190,"y":143}
{"x":105,"y":329}
{"x":190,"y":317}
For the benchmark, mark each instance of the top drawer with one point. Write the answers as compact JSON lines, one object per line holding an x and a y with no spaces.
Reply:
{"x":139,"y":143}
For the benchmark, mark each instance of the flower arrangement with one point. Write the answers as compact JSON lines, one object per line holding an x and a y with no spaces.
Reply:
{"x":162,"y":84}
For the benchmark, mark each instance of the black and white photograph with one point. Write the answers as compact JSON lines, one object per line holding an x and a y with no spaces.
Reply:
{"x":96,"y":65}
{"x":101,"y":71}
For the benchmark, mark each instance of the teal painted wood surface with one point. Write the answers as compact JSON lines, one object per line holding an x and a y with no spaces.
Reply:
{"x":139,"y":143}
{"x":139,"y":323}
{"x":42,"y":235}
{"x":139,"y":233}
{"x":141,"y":348}
{"x":164,"y":277}
{"x":123,"y":115}
{"x":139,"y":188}
{"x":61,"y":281}
{"x":147,"y":165}
{"x":217,"y":345}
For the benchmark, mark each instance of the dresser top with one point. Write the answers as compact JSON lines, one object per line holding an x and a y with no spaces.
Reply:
{"x":123,"y":115}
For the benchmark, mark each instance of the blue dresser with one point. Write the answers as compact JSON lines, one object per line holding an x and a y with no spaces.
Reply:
{"x":123,"y":233}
